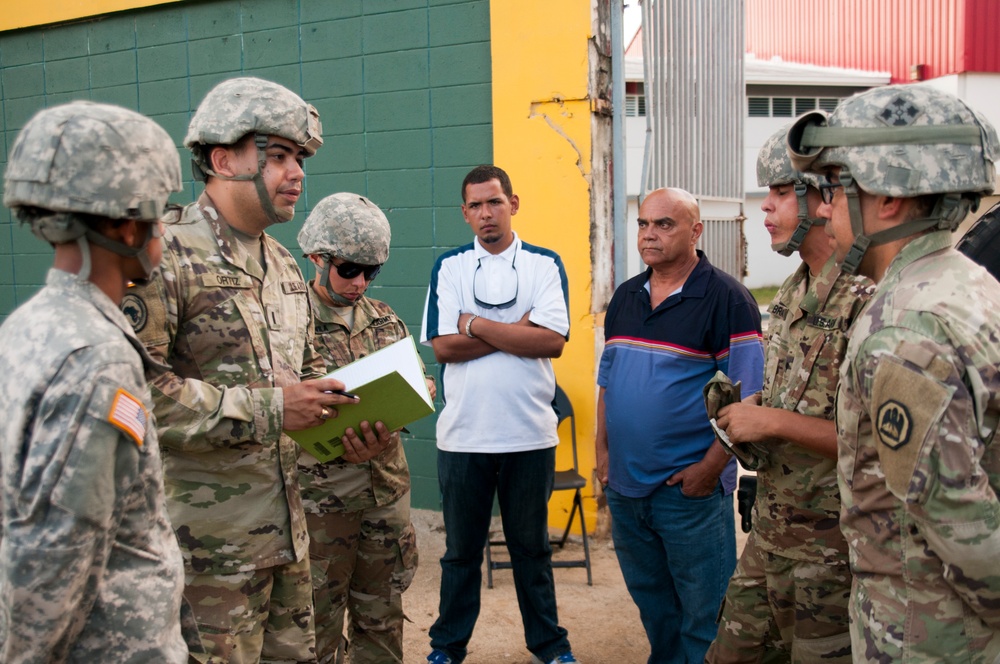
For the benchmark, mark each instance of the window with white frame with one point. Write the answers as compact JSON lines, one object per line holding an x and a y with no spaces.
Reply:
{"x":788,"y":107}
{"x":635,"y":99}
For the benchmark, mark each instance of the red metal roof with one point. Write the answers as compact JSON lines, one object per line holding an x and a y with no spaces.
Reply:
{"x":944,"y":36}
{"x":634,"y":48}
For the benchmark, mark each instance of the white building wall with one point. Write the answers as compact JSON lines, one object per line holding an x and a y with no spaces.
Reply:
{"x":764,"y":267}
{"x":980,"y":90}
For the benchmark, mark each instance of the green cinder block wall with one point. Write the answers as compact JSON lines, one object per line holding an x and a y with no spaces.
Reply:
{"x":403,"y":88}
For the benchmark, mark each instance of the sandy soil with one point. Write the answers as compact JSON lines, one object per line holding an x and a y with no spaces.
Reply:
{"x":602,"y":621}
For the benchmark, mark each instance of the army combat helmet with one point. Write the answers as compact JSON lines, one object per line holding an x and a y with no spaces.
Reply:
{"x":83,"y":159}
{"x":774,"y":168}
{"x":247,"y":105}
{"x":904,"y":141}
{"x":349,"y":227}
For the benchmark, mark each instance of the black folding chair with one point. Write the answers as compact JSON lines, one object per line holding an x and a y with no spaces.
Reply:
{"x":565,"y":480}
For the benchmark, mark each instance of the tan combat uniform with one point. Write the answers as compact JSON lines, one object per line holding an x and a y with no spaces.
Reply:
{"x":233,"y":335}
{"x":789,"y":594}
{"x":919,"y":464}
{"x":362,"y":544}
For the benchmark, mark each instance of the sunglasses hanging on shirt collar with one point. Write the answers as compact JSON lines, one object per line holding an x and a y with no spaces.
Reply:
{"x":503,"y":277}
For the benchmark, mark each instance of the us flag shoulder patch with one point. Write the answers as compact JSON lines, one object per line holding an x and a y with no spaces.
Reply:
{"x":129,"y":415}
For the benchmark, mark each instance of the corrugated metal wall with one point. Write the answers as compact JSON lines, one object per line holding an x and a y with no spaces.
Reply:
{"x":725,"y":244}
{"x":981,"y":50}
{"x":693,"y":60}
{"x":946,"y":36}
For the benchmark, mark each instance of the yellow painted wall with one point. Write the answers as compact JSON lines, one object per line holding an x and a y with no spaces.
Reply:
{"x":542,"y":138}
{"x":23,"y":13}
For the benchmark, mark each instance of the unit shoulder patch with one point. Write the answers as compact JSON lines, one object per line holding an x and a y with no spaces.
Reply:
{"x":907,"y":407}
{"x":894,"y":424}
{"x":134,"y":308}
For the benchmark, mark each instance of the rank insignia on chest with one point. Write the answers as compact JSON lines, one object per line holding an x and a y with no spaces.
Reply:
{"x":129,"y":415}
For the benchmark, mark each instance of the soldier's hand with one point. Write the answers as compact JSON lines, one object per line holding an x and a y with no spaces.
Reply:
{"x":744,"y":422}
{"x":372,"y":442}
{"x":309,"y":403}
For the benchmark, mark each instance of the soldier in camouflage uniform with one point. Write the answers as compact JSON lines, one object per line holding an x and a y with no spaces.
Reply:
{"x":228,"y":312}
{"x":362,"y":546}
{"x":787,"y":600}
{"x":919,"y":395}
{"x":90,"y":570}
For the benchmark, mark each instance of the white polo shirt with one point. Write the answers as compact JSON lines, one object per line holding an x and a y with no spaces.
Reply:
{"x":500,"y":402}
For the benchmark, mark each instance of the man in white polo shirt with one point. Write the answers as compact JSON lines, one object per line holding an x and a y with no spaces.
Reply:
{"x":496,"y":313}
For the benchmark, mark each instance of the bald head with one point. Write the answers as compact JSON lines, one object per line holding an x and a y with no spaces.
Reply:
{"x":669,"y":228}
{"x":682,"y":203}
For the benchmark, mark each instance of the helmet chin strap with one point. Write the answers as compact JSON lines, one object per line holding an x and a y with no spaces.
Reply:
{"x":84,"y":246}
{"x":324,"y":281}
{"x":805,"y":223}
{"x":201,"y":171}
{"x":948,"y":211}
{"x":139,"y":253}
{"x":76,"y":230}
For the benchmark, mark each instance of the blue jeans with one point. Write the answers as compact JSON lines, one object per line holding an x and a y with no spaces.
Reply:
{"x":522,"y":482}
{"x":676,"y":554}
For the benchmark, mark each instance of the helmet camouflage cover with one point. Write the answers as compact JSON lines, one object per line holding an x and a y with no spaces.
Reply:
{"x":774,"y":167}
{"x":347,"y":226}
{"x":901,"y":140}
{"x":245,"y":105}
{"x":89,"y":158}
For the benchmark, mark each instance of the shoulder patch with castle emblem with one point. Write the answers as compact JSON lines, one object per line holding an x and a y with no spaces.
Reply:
{"x":907,"y":405}
{"x":894,"y":424}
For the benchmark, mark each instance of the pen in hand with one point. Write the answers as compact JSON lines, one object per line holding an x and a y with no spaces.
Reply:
{"x":344,"y":394}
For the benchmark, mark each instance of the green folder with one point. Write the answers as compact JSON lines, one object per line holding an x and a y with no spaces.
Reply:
{"x":392,"y":390}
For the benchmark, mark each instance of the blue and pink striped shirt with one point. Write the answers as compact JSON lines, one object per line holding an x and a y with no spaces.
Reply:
{"x":655,"y":365}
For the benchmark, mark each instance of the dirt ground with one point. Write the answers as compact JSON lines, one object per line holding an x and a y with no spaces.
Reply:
{"x":602,"y":620}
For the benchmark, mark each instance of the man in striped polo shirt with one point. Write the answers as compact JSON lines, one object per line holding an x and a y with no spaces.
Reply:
{"x":669,"y":483}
